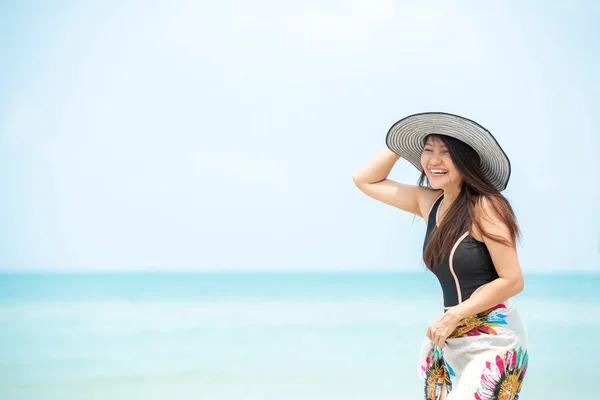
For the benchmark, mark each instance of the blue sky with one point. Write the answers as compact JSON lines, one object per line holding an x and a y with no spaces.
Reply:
{"x":224,"y":135}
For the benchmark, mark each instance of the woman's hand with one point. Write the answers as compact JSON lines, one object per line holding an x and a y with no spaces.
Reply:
{"x":439,"y":330}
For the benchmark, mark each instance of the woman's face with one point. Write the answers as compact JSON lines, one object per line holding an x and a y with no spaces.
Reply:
{"x":438,"y":165}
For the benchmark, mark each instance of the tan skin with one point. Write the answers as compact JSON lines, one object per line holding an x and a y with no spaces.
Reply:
{"x":372,"y":180}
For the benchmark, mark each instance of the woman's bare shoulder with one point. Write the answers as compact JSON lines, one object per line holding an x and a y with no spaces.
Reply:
{"x":485,"y":213}
{"x":427,"y":198}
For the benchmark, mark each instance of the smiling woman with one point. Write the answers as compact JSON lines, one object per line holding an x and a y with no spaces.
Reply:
{"x":478,"y":347}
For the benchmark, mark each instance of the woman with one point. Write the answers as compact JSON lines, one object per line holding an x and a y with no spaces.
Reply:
{"x":477,"y":349}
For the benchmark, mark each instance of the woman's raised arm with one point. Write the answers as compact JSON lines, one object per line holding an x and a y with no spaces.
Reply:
{"x":372,"y":180}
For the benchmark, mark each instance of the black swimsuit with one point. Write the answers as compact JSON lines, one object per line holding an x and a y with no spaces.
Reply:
{"x":468,"y":267}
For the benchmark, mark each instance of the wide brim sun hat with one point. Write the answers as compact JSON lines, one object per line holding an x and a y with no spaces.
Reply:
{"x":407,"y":139}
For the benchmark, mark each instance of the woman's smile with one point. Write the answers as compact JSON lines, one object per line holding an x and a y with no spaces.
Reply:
{"x":434,"y":172}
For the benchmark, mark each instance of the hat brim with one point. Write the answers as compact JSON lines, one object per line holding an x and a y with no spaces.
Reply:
{"x":406,"y":138}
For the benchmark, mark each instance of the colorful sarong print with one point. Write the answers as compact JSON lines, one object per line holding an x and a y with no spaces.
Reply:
{"x":485,"y":358}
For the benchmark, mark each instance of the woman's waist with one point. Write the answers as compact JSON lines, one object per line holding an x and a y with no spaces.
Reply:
{"x":457,"y":291}
{"x":503,"y":316}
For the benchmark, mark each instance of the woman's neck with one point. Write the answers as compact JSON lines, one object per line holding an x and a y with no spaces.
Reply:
{"x":449,"y":196}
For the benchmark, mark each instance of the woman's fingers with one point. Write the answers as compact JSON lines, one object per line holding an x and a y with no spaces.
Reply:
{"x":439,"y":330}
{"x":439,"y":338}
{"x":443,"y":340}
{"x":436,"y":335}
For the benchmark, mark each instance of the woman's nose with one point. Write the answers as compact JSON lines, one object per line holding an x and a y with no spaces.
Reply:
{"x":435,"y":159}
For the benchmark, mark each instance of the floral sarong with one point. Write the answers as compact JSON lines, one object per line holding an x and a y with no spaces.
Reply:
{"x":484,"y":358}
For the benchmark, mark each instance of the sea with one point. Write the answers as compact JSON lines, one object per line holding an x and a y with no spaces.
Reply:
{"x":301,"y":335}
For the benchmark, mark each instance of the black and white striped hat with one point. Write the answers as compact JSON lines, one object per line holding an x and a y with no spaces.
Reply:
{"x":406,"y":138}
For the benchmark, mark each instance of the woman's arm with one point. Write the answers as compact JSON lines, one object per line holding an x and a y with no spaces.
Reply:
{"x":372,"y":180}
{"x":377,"y":169}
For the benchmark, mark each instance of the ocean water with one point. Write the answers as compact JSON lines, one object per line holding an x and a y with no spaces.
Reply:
{"x":264,"y":336}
